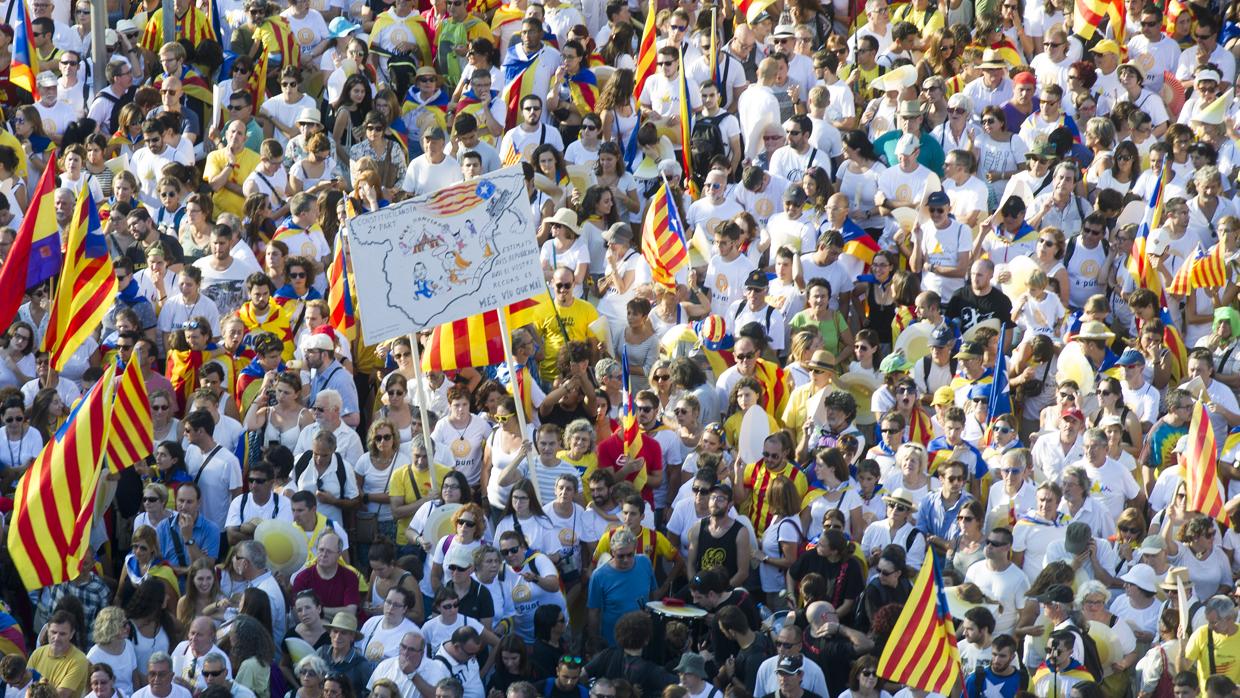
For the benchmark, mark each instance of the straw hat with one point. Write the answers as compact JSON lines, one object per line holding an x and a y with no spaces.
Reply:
{"x":901,"y":496}
{"x":567,"y":218}
{"x":344,"y":621}
{"x":1174,"y":574}
{"x":992,"y":59}
{"x":1095,"y":330}
{"x":821,"y":360}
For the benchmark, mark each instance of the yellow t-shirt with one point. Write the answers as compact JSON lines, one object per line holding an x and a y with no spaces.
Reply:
{"x":72,"y":671}
{"x":575,"y":320}
{"x":584,"y":466}
{"x":402,"y":486}
{"x":652,"y":544}
{"x":732,"y":428}
{"x":227,"y":201}
{"x":1226,"y":655}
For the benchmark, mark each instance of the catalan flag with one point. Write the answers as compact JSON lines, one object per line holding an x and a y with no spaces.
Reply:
{"x":1201,"y":467}
{"x":1089,"y":15}
{"x":646,"y":53}
{"x":583,"y":88}
{"x":1144,"y":273}
{"x":87,"y":285}
{"x":194,"y":26}
{"x":258,"y":80}
{"x":522,"y":389}
{"x":341,"y":290}
{"x":920,"y":428}
{"x":776,"y":387}
{"x":630,"y":430}
{"x":475,"y":340}
{"x":132,"y":436}
{"x":35,"y":254}
{"x":663,"y":238}
{"x":55,"y":501}
{"x":857,"y":242}
{"x":25,"y":60}
{"x":518,"y":82}
{"x":921,"y":650}
{"x":278,"y":41}
{"x":1182,"y":284}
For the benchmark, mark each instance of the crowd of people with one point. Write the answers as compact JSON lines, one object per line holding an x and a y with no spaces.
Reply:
{"x":894,"y":214}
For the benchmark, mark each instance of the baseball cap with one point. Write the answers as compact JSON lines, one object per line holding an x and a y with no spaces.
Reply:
{"x":1131,"y":357}
{"x":1076,"y":538}
{"x":907,"y":145}
{"x":757,"y":279}
{"x":788,"y":666}
{"x":1105,"y":46}
{"x":1058,"y":593}
{"x":1072,"y":413}
{"x":938,"y":198}
{"x":942,"y":337}
{"x":944,"y":396}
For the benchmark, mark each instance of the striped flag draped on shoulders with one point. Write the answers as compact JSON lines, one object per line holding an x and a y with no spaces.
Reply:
{"x":1201,"y":467}
{"x":921,"y":650}
{"x":55,"y":501}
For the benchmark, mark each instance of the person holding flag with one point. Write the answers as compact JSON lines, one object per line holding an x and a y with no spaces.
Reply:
{"x":661,"y":95}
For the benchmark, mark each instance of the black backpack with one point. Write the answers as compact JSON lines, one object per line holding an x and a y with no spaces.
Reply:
{"x":705,"y":142}
{"x":1089,"y":648}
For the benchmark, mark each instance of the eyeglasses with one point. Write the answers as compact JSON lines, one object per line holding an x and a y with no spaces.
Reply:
{"x":1004,"y":430}
{"x":467,"y":523}
{"x":505,"y":552}
{"x":457,"y":568}
{"x":664,"y":64}
{"x":562,"y":286}
{"x":448,"y":605}
{"x":995,"y":543}
{"x":258,"y":480}
{"x":899,"y":507}
{"x":1146,"y":23}
{"x":744,"y":356}
{"x":571,"y":659}
{"x":235,"y":107}
{"x":396,"y":392}
{"x":380,"y":438}
{"x":700,"y":490}
{"x":660,"y":377}
{"x":212,"y":674}
{"x":150,"y":500}
{"x":410,"y":648}
{"x":645,"y":408}
{"x":988,"y":122}
{"x":786,"y":645}
{"x":885,"y":573}
{"x":892,"y":431}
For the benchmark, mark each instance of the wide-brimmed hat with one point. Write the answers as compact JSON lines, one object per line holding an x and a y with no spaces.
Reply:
{"x":567,"y":218}
{"x":344,"y":621}
{"x":309,"y":116}
{"x":692,"y":663}
{"x":341,"y":26}
{"x":1143,"y":577}
{"x":901,"y":496}
{"x":618,"y":233}
{"x":992,"y":59}
{"x":1173,"y":574}
{"x":1057,"y":593}
{"x":1095,"y":330}
{"x":821,"y":360}
{"x":910,"y":108}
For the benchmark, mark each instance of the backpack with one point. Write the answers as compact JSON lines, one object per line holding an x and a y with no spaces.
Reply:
{"x":1070,"y":249}
{"x":1089,"y":648}
{"x":705,"y":142}
{"x":304,"y":461}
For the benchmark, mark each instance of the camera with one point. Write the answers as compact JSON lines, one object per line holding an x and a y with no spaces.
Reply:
{"x":271,"y":398}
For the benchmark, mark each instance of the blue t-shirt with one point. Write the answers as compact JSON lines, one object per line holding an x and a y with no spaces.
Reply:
{"x":994,"y":686}
{"x":615,"y":593}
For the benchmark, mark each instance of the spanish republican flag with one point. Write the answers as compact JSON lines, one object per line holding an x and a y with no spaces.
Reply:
{"x":646,"y":52}
{"x":55,"y":501}
{"x":921,"y":651}
{"x":35,"y":254}
{"x":25,"y":59}
{"x":1201,"y":467}
{"x":1088,"y":17}
{"x":474,"y":341}
{"x":87,"y":284}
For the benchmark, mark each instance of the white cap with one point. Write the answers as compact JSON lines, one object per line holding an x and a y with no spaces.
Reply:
{"x":320,"y":342}
{"x":907,"y":145}
{"x":47,"y":79}
{"x":111,"y":38}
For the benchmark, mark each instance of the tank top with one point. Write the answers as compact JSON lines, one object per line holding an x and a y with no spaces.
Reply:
{"x":880,"y":316}
{"x":1086,"y":270}
{"x":717,"y":551}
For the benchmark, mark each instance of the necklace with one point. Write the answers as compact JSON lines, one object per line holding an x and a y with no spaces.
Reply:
{"x":13,"y":456}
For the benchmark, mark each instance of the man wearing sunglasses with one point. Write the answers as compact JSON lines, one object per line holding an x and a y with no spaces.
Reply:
{"x":1000,"y":580}
{"x":216,"y":674}
{"x":258,"y":504}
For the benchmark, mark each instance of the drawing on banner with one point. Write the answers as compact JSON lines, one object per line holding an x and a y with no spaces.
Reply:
{"x":445,"y":256}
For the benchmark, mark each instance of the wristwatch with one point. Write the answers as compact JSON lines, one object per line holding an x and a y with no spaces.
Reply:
{"x":189,"y":543}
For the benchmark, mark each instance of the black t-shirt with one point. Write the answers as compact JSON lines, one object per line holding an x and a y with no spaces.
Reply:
{"x":549,"y":689}
{"x":562,"y":417}
{"x":477,"y":603}
{"x":834,"y":655}
{"x":813,"y":562}
{"x":721,"y":646}
{"x":971,"y":309}
{"x":750,"y":659}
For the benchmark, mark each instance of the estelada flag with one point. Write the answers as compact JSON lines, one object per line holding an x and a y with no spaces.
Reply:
{"x":1201,"y":467}
{"x":921,"y":650}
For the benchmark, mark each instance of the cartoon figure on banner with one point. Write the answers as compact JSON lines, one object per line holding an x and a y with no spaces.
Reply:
{"x":421,"y":287}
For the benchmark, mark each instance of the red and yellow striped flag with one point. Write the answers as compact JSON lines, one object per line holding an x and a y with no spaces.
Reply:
{"x":646,"y":52}
{"x":474,"y":341}
{"x":55,"y":501}
{"x":1201,"y":467}
{"x":341,"y":290}
{"x":663,"y":238}
{"x":1210,"y":271}
{"x":1088,"y":16}
{"x":921,"y":650}
{"x":630,"y":430}
{"x":132,"y":436}
{"x":87,"y":285}
{"x":1181,"y":284}
{"x":776,"y":387}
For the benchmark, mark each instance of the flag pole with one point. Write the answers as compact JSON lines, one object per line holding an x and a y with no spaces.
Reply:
{"x":506,"y":339}
{"x":420,"y":378}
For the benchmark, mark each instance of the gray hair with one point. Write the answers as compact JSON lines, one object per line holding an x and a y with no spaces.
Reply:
{"x":326,"y":438}
{"x":451,"y":685}
{"x":1091,"y":587}
{"x":1095,"y":435}
{"x":1203,"y":176}
{"x":1068,"y":168}
{"x":333,"y":399}
{"x":1221,"y":606}
{"x":622,"y":539}
{"x":158,"y":657}
{"x":1077,"y":472}
{"x":214,"y":658}
{"x":1017,"y":458}
{"x":314,"y":663}
{"x":605,"y":366}
{"x":254,"y":552}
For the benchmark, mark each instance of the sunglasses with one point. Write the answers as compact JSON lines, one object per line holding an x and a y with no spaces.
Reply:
{"x":258,"y":480}
{"x":571,"y":659}
{"x":383,"y":437}
{"x":467,"y":523}
{"x":150,"y":500}
{"x":899,"y":507}
{"x":10,"y":420}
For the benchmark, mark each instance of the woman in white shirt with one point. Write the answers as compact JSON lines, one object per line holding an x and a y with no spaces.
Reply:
{"x":22,"y":443}
{"x":525,"y":515}
{"x":783,"y":538}
{"x":565,"y":247}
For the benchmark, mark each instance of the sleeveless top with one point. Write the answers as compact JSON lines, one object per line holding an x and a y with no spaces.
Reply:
{"x":717,"y":551}
{"x":1123,"y":417}
{"x":880,"y":316}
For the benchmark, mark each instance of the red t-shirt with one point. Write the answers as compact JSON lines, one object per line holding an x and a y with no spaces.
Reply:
{"x":611,"y":448}
{"x":340,"y":590}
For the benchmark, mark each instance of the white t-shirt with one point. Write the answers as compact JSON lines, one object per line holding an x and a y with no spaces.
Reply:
{"x":279,"y":109}
{"x":386,"y":639}
{"x":462,"y":447}
{"x":1007,"y":587}
{"x":330,"y":481}
{"x":423,"y":176}
{"x":123,"y":664}
{"x":220,"y":475}
{"x":15,"y":454}
{"x":726,"y":281}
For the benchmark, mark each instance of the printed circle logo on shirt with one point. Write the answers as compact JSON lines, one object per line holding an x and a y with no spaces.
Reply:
{"x":305,"y":36}
{"x":568,"y":537}
{"x":764,"y":208}
{"x":521,"y":593}
{"x":1090,"y":270}
{"x":460,"y":448}
{"x":721,"y":283}
{"x":713,"y":557}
